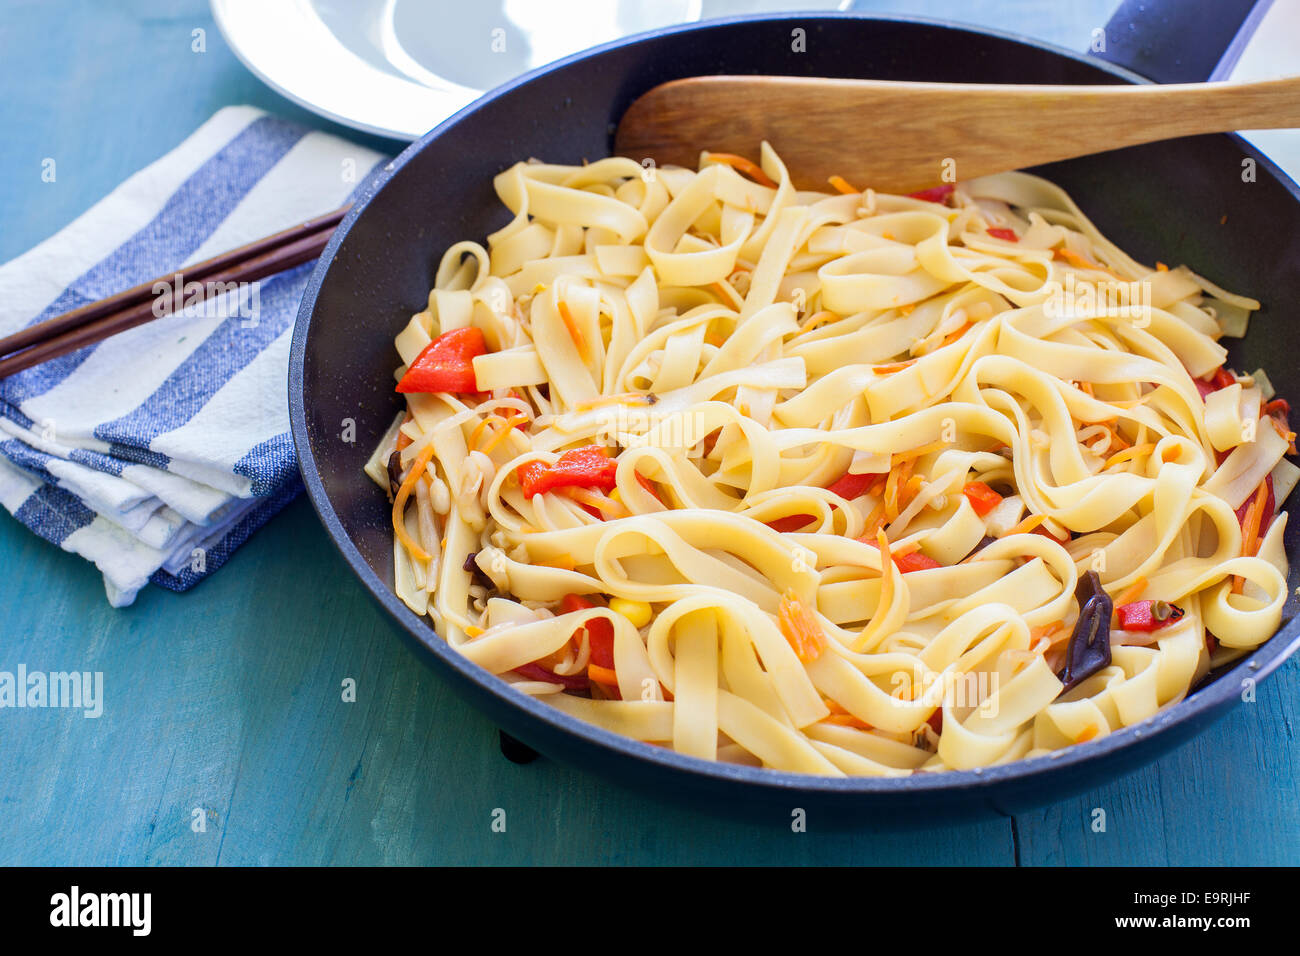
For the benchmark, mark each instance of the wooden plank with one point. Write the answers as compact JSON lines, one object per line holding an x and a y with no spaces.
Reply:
{"x":1230,"y":796}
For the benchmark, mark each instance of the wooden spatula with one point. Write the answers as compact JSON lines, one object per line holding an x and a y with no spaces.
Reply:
{"x":896,"y":137}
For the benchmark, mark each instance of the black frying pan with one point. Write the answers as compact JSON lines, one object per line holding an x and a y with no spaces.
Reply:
{"x":1164,"y":201}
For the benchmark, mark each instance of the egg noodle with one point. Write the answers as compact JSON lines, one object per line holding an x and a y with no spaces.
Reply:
{"x":864,"y":449}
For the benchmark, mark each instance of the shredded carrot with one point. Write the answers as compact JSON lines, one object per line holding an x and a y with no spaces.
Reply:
{"x":1082,"y":262}
{"x":1161,"y":267}
{"x":742,"y":165}
{"x":602,"y":675}
{"x":563,"y":562}
{"x":623,"y":398}
{"x":473,"y":631}
{"x":1254,"y":517}
{"x":909,"y":492}
{"x":847,"y":720}
{"x":1250,"y":531}
{"x":1287,"y":436}
{"x":1116,"y":440}
{"x":399,"y":503}
{"x":875,"y":627}
{"x":1127,"y":453}
{"x":816,"y":319}
{"x":954,"y":335}
{"x":477,"y":433}
{"x":575,"y":333}
{"x":892,"y":367}
{"x":1086,"y":388}
{"x":842,"y":185}
{"x":1132,"y":592}
{"x":403,"y":439}
{"x":728,"y":294}
{"x":1092,"y":730}
{"x":906,"y":310}
{"x":877,"y":517}
{"x":897,"y":475}
{"x":800,"y":627}
{"x":510,"y":424}
{"x":606,"y":505}
{"x":919,"y":451}
{"x":716,"y":339}
{"x":1026,"y":525}
{"x":886,"y":573}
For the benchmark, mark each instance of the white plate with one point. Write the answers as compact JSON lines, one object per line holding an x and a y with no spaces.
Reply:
{"x":400,"y":67}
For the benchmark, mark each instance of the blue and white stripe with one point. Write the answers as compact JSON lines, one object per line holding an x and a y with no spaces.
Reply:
{"x":174,"y":436}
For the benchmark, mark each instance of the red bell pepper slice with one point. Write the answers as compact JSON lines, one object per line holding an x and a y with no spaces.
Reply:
{"x":999,"y":233}
{"x":937,"y":194}
{"x":1221,"y":378}
{"x":1047,"y":534}
{"x":916,"y":561}
{"x":907,"y":563}
{"x":981,"y":497}
{"x":600,"y":630}
{"x":936,"y":721}
{"x":849,"y":486}
{"x":1279,"y":409}
{"x":446,"y":364}
{"x":536,"y":671}
{"x":789,"y":523}
{"x":1147,"y":616}
{"x":586,"y":467}
{"x":648,"y":485}
{"x":600,"y":635}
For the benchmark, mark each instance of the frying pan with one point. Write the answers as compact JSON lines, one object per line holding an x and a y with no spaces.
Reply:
{"x":1178,"y":201}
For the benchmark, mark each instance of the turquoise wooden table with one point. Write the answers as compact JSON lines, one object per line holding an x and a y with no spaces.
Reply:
{"x":225,"y":738}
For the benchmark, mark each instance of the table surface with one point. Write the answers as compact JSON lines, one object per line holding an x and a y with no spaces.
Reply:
{"x":223,"y":705}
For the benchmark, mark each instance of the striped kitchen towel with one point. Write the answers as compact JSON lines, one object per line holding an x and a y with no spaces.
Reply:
{"x":157,"y":452}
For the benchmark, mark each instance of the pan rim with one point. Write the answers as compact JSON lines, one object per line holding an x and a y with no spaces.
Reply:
{"x":1204,"y":703}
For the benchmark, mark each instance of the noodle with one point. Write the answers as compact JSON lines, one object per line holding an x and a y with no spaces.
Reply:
{"x":820,"y":480}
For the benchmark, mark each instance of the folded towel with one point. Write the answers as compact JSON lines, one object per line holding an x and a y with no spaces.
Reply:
{"x":157,"y":452}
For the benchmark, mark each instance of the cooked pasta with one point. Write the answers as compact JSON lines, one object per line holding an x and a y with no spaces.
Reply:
{"x":831,"y":482}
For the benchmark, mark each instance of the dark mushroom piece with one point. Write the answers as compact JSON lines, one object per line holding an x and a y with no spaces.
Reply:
{"x":479,"y":576}
{"x":1089,"y":648}
{"x":394,"y":472}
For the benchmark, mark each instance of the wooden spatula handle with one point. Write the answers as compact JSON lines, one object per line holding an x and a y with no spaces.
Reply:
{"x":897,"y":136}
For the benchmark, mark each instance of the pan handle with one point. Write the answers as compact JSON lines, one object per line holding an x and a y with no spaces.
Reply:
{"x":1173,"y":41}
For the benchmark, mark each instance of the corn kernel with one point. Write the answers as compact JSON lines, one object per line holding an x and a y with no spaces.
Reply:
{"x":638,"y":612}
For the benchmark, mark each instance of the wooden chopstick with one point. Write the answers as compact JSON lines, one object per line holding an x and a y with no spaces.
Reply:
{"x":97,"y":321}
